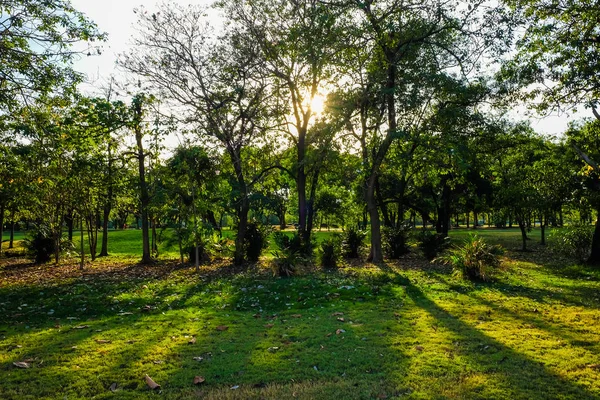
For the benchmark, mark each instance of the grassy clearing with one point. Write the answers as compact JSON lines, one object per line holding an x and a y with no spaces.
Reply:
{"x":409,"y":330}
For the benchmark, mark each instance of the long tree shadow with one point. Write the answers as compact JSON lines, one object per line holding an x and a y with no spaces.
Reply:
{"x":519,"y":375}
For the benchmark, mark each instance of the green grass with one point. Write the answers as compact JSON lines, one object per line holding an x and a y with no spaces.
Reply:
{"x":410,"y":331}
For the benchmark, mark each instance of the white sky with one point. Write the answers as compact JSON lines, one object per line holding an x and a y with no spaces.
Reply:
{"x":116,"y":18}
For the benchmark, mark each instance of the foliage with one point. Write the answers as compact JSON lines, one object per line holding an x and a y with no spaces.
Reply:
{"x":395,"y":240}
{"x":431,"y":244}
{"x":330,"y":252}
{"x":255,"y":240}
{"x":40,"y":244}
{"x":291,"y":252}
{"x":474,"y":260}
{"x":573,"y":241}
{"x":352,"y":242}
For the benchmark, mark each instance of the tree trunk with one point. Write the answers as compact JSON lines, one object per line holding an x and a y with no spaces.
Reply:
{"x":81,"y":248}
{"x":311,"y":210}
{"x":144,"y":196}
{"x":70,"y":220}
{"x":543,"y":222}
{"x":594,"y":258}
{"x":376,"y":253}
{"x":523,"y":229}
{"x":301,"y":181}
{"x":12,"y":231}
{"x":467,"y":215}
{"x":242,"y":215}
{"x":105,"y":216}
{"x":1,"y":226}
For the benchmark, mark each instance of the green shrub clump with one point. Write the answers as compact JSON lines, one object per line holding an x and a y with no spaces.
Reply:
{"x":330,"y":253}
{"x":431,"y":244}
{"x":573,"y":241}
{"x":395,"y":240}
{"x":291,"y":252}
{"x":352,"y":242}
{"x":40,"y":244}
{"x":474,"y":260}
{"x":255,"y":241}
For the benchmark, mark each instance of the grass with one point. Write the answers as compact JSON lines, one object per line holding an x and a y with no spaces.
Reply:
{"x":409,"y":330}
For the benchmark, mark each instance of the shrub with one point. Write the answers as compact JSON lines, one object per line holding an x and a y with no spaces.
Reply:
{"x":40,"y":244}
{"x":352,"y":242}
{"x":431,"y":244}
{"x":474,"y":260}
{"x":395,"y":240}
{"x":291,"y":252}
{"x":255,"y":241}
{"x":330,"y":253}
{"x":573,"y":241}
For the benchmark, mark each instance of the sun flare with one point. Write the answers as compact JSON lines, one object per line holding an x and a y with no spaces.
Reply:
{"x":317,"y":105}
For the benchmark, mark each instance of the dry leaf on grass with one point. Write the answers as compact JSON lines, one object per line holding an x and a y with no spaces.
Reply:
{"x":222,"y":328}
{"x":297,"y":316}
{"x":268,"y":325}
{"x":103,"y":341}
{"x":81,"y":327}
{"x":21,"y":364}
{"x":151,"y":384}
{"x":197,"y":358}
{"x":340,"y":331}
{"x":341,"y":319}
{"x":198,"y":380}
{"x":113,"y":387}
{"x":192,"y":341}
{"x":419,"y":348}
{"x":337,"y":314}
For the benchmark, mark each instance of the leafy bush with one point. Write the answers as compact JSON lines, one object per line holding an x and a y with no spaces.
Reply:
{"x":40,"y":244}
{"x":431,"y":244}
{"x":330,"y":252}
{"x":573,"y":241}
{"x":292,"y":251}
{"x":474,"y":260}
{"x":395,"y":240}
{"x":255,"y":241}
{"x":352,"y":242}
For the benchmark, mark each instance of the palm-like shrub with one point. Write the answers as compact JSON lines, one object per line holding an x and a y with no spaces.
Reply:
{"x":352,"y":242}
{"x":395,"y":240}
{"x":474,"y":260}
{"x":330,"y":253}
{"x":431,"y":244}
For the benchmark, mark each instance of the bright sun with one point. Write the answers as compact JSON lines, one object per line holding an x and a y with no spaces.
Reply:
{"x":317,"y":105}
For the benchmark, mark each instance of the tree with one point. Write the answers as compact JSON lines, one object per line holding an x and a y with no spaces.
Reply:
{"x":37,"y":41}
{"x":211,"y":84}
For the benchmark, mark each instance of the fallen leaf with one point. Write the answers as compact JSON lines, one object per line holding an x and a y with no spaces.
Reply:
{"x":158,"y":362}
{"x":593,"y":366}
{"x":419,"y":348}
{"x":256,"y":315}
{"x":192,"y":341}
{"x":340,"y":331}
{"x":102,"y":341}
{"x":235,"y":387}
{"x":151,"y":384}
{"x":297,"y":316}
{"x":273,"y":349}
{"x":268,"y":325}
{"x":21,"y":364}
{"x":341,"y":319}
{"x":337,"y":314}
{"x":197,"y":358}
{"x":81,"y":326}
{"x":113,"y":387}
{"x":198,"y":380}
{"x":222,"y":328}
{"x":125,"y":313}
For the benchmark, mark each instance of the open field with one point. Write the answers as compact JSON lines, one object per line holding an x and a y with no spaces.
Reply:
{"x":405,"y":329}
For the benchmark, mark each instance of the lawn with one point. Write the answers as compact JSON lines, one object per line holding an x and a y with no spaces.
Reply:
{"x":406,"y":329}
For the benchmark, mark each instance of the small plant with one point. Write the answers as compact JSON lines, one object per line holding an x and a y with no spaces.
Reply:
{"x":330,"y":253}
{"x":431,"y":244}
{"x":352,"y":242}
{"x":40,"y":244}
{"x":395,"y":240}
{"x":291,"y":253}
{"x":474,"y":260}
{"x":573,"y":241}
{"x":255,"y":241}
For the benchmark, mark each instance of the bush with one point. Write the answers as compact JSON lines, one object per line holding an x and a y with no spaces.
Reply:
{"x":291,"y":252}
{"x":573,"y":241}
{"x":40,"y":244}
{"x":395,"y":240}
{"x":330,"y":252}
{"x":352,"y":242}
{"x":255,"y":241}
{"x":431,"y":244}
{"x":474,"y":260}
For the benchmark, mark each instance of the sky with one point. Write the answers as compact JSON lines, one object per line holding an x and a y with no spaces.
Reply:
{"x":116,"y":18}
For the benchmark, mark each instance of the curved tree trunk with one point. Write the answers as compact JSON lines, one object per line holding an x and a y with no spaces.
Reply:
{"x":594,"y":258}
